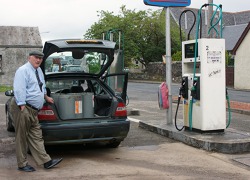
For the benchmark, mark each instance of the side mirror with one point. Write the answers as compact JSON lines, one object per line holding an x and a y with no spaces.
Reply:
{"x":9,"y":93}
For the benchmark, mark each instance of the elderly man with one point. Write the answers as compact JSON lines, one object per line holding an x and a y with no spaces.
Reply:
{"x":29,"y":95}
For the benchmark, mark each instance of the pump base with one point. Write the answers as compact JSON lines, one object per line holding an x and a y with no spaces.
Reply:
{"x":205,"y":131}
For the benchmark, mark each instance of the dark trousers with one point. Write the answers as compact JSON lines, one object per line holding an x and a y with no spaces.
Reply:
{"x":28,"y":135}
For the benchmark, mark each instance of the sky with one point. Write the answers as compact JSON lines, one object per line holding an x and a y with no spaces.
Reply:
{"x":72,"y":18}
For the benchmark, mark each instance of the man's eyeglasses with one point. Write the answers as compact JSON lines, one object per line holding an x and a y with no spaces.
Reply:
{"x":38,"y":57}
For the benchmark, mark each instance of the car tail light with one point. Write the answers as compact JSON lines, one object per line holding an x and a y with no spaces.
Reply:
{"x":46,"y":114}
{"x":121,"y":110}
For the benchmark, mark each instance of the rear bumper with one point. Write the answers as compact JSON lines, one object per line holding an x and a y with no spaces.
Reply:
{"x":72,"y":133}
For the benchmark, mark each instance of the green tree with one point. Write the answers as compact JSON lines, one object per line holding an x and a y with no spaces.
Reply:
{"x":177,"y":56}
{"x":93,"y":62}
{"x":144,"y":33}
{"x":229,"y":59}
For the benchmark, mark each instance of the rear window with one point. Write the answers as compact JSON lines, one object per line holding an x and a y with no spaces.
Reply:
{"x":58,"y":85}
{"x":76,"y":61}
{"x":66,"y":85}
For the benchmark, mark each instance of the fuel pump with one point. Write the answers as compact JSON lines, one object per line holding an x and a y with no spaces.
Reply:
{"x":116,"y":82}
{"x":203,"y":83}
{"x":116,"y":35}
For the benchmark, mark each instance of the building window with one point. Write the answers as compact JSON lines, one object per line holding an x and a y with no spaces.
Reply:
{"x":1,"y":62}
{"x":137,"y":63}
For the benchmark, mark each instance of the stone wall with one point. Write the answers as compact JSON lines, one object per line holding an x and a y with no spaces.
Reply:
{"x":157,"y":72}
{"x":15,"y":44}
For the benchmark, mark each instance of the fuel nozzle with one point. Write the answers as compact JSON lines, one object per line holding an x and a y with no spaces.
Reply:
{"x":183,"y":91}
{"x":195,"y":90}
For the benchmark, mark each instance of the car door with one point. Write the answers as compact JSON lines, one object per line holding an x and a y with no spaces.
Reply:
{"x":118,"y":82}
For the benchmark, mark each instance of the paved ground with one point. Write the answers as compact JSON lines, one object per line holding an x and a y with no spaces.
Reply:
{"x":235,"y":139}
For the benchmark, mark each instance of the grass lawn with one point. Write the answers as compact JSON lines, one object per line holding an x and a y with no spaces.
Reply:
{"x":5,"y":88}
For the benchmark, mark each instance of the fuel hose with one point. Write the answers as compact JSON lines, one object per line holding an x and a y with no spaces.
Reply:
{"x":178,"y":103}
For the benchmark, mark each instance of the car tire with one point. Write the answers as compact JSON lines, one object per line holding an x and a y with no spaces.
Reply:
{"x":114,"y":144}
{"x":9,"y":125}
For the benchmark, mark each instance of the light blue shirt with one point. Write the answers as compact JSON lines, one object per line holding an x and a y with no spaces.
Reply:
{"x":26,"y":87}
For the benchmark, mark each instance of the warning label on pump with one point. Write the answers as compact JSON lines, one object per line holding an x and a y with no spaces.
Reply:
{"x":214,"y":57}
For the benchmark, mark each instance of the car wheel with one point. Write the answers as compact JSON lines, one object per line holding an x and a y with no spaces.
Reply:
{"x":114,"y":144}
{"x":9,"y":125}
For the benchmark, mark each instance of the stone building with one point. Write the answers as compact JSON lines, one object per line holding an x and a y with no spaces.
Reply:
{"x":15,"y":44}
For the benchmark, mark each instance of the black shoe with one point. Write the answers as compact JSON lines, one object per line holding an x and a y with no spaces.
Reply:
{"x":27,"y":168}
{"x":52,"y":163}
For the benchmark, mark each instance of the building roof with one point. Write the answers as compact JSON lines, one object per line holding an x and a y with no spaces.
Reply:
{"x":233,"y":23}
{"x":243,"y":35}
{"x":232,"y":35}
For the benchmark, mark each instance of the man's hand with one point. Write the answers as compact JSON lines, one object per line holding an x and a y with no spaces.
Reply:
{"x":22,"y":107}
{"x":49,"y":99}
